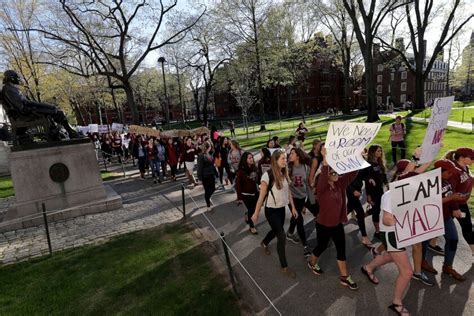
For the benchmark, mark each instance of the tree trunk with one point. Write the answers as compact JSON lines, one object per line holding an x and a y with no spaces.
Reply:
{"x":260,"y":101}
{"x":346,"y":109}
{"x":372,"y":115}
{"x":196,"y":102}
{"x":419,"y":102}
{"x":180,"y":94}
{"x":301,"y":105}
{"x":204,"y":106}
{"x":114,"y":101}
{"x":131,"y":102}
{"x":278,"y":104}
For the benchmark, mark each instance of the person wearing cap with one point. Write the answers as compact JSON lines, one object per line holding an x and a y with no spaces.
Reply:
{"x":397,"y":138}
{"x":450,"y":210}
{"x":462,"y":183}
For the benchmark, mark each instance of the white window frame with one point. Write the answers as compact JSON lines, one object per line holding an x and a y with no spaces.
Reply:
{"x":392,"y":76}
{"x":379,"y":89}
{"x":403,"y":98}
{"x":379,"y":67}
{"x":404,"y":75}
{"x":379,"y":78}
{"x":403,"y":86}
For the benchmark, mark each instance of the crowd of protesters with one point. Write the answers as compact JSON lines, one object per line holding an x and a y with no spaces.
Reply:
{"x":291,"y":181}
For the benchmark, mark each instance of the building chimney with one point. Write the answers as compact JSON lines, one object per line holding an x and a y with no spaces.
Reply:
{"x":400,"y":44}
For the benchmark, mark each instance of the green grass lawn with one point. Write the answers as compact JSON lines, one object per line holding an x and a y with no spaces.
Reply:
{"x":458,"y":114}
{"x":153,"y":272}
{"x":461,"y":104}
{"x":6,"y":185}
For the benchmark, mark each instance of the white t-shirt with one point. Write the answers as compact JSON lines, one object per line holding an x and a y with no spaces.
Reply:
{"x":386,"y":205}
{"x":279,"y":197}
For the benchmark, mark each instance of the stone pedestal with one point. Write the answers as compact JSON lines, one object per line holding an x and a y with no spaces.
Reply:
{"x":65,"y":178}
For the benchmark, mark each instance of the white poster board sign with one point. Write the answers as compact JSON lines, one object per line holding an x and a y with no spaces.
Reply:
{"x":83,"y":129}
{"x":117,"y":127}
{"x":93,"y":128}
{"x":345,"y":142}
{"x":436,"y":128}
{"x":103,"y":129}
{"x":417,"y":207}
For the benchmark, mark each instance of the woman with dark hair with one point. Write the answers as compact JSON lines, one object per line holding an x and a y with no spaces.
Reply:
{"x":172,"y":157}
{"x":291,"y":144}
{"x":316,"y":159}
{"x":329,"y":224}
{"x":375,"y":179}
{"x":462,"y":183}
{"x":246,"y":185}
{"x":274,"y":191}
{"x":224,"y":148}
{"x":265,"y":162}
{"x":140,"y":153}
{"x":233,"y":158}
{"x":188,"y":156}
{"x":206,"y":172}
{"x":298,"y":172}
{"x":301,"y":132}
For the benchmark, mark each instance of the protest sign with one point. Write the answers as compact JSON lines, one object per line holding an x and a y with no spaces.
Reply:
{"x":117,"y":127}
{"x":93,"y":128}
{"x":103,"y":129}
{"x":436,"y":128}
{"x":345,"y":142}
{"x":83,"y":129}
{"x":417,"y":207}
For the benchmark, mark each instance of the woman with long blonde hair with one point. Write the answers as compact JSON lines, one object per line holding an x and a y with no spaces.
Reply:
{"x":274,"y":191}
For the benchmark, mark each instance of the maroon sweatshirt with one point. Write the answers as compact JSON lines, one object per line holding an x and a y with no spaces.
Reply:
{"x":332,"y":201}
{"x":462,"y":182}
{"x":246,"y":183}
{"x":448,"y":207}
{"x":189,"y":153}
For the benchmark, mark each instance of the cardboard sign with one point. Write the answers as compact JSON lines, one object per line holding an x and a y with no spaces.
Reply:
{"x":345,"y":142}
{"x":103,"y":129}
{"x":117,"y":127}
{"x":93,"y":128}
{"x":436,"y":128}
{"x":417,"y":207}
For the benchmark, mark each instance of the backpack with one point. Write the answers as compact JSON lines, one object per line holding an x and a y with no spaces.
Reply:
{"x":393,"y":126}
{"x":270,"y":186}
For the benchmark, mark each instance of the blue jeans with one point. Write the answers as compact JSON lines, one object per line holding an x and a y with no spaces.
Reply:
{"x":155,"y":168}
{"x":451,"y":237}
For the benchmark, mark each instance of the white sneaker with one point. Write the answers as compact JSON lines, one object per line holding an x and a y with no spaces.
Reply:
{"x":209,"y":209}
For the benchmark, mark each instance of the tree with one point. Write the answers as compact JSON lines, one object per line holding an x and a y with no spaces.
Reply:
{"x":424,"y":14}
{"x":96,"y":38}
{"x":366,"y":30}
{"x":242,"y":21}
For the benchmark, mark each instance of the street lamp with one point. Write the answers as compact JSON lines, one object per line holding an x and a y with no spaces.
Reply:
{"x":162,"y":60}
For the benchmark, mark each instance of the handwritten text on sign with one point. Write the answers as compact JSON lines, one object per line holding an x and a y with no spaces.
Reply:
{"x":417,"y":207}
{"x":345,"y":143}
{"x":436,"y":128}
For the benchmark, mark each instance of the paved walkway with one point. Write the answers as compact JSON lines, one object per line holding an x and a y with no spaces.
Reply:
{"x":465,"y":125}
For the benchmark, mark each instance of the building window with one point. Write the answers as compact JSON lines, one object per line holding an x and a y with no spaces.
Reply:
{"x":404,"y":74}
{"x":380,"y":67}
{"x":403,"y":98}
{"x":389,"y":89}
{"x":379,"y":100}
{"x":403,"y":86}
{"x":392,"y":76}
{"x":379,"y":89}
{"x":379,"y":78}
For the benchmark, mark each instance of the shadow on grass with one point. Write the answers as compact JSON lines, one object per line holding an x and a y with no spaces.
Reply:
{"x":149,"y":272}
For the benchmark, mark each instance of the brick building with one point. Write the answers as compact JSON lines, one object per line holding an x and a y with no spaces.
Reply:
{"x":396,"y":84}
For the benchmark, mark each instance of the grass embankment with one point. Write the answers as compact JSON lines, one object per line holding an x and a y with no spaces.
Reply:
{"x":6,"y":184}
{"x":153,"y":272}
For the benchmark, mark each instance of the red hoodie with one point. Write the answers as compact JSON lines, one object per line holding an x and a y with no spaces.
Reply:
{"x":462,"y":182}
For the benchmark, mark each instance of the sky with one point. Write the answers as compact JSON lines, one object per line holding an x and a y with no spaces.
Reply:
{"x":432,"y":35}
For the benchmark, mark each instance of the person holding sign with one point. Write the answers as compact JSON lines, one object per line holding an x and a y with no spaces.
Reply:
{"x":331,"y":191}
{"x":463,"y":183}
{"x":393,"y":254}
{"x":397,"y":138}
{"x":274,"y":191}
{"x":450,"y":210}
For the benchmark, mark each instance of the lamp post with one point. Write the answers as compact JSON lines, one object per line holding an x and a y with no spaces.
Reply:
{"x":162,"y":60}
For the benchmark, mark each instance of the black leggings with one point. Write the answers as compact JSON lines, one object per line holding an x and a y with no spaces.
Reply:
{"x":466,"y":224}
{"x":336,"y":233}
{"x":221,"y":172}
{"x":209,"y":188}
{"x":250,"y":202}
{"x":376,"y":200}
{"x":353,"y":204}
{"x":299,"y":222}
{"x":276,"y":219}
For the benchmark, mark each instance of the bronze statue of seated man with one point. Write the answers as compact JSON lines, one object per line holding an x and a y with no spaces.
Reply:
{"x":19,"y":107}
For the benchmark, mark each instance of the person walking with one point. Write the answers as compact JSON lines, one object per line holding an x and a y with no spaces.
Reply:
{"x":224,"y":148}
{"x":354,"y":192}
{"x":462,"y":183}
{"x":140,"y":153}
{"x":153,"y":160}
{"x":397,"y":138}
{"x":246,"y":185}
{"x":206,"y":172}
{"x":301,"y":132}
{"x":375,"y":180}
{"x":172,"y":157}
{"x":298,"y":171}
{"x":274,"y":191}
{"x":188,"y":156}
{"x":331,"y":192}
{"x":232,"y":129}
{"x":233,"y":158}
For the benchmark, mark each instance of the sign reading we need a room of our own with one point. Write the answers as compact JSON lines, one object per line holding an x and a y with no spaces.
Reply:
{"x":436,"y":128}
{"x":345,"y":142}
{"x":417,"y":208}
